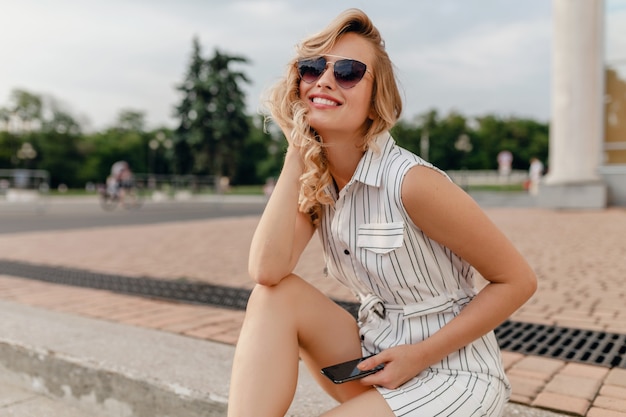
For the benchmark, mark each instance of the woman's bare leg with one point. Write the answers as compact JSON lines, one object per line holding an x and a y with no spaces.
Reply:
{"x":368,"y":404}
{"x":283,"y":322}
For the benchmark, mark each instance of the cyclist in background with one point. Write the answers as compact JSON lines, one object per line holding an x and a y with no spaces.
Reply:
{"x":120,"y":180}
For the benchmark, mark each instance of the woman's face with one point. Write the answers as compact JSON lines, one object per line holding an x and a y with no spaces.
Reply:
{"x":334,"y":110}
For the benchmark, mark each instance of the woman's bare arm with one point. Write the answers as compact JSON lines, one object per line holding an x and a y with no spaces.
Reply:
{"x":451,"y":217}
{"x":283,"y":232}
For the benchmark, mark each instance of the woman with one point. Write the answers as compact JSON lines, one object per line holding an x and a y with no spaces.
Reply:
{"x":394,"y":229}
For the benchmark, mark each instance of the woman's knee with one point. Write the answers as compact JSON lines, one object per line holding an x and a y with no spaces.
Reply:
{"x":275,"y":296}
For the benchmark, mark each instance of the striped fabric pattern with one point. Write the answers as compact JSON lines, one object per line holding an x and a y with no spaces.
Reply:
{"x":409,"y":287}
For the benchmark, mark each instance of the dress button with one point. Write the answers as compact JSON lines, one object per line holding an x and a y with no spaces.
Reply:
{"x":362,"y":337}
{"x":346,"y":251}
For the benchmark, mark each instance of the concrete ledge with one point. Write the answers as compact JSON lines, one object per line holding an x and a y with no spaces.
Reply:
{"x":590,"y":195}
{"x":99,"y":391}
{"x":113,"y":370}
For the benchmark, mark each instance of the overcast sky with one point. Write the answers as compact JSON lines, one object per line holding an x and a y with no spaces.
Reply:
{"x":98,"y":57}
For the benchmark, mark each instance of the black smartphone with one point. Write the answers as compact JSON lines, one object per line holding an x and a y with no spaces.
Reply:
{"x":347,"y":371}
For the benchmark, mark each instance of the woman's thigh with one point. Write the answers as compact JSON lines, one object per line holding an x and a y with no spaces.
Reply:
{"x":368,"y":404}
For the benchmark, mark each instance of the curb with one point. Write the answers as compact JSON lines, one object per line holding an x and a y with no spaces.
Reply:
{"x":100,"y":391}
{"x":110,"y":369}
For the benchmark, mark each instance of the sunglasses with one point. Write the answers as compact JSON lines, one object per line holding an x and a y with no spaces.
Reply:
{"x":347,"y":72}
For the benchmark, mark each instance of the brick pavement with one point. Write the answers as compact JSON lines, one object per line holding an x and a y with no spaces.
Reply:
{"x":578,"y":255}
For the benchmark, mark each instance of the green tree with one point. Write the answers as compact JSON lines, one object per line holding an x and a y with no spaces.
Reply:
{"x":161,"y":152}
{"x":5,"y":118}
{"x":191,"y":111}
{"x":454,"y":142}
{"x":131,"y":120}
{"x":228,"y":121}
{"x":213,"y":124}
{"x":27,"y":107}
{"x":46,"y":127}
{"x":56,"y":118}
{"x":125,"y":140}
{"x":524,"y":138}
{"x":9,"y":145}
{"x":59,"y":154}
{"x":264,"y":150}
{"x":443,"y":136}
{"x":409,"y":136}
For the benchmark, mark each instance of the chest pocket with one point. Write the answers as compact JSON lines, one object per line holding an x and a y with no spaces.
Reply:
{"x":380,"y":237}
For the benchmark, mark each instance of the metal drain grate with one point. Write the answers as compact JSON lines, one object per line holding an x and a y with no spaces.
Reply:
{"x":192,"y":292}
{"x":574,"y":345}
{"x":568,"y":344}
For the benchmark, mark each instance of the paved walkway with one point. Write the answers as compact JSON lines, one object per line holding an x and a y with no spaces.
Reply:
{"x":578,"y":256}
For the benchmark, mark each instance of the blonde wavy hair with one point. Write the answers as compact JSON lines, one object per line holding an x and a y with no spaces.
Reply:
{"x":290,"y":112}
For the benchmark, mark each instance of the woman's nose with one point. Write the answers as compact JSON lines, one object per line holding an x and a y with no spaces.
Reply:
{"x":327,"y":79}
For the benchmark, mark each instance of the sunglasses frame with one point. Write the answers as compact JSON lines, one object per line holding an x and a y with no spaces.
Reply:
{"x":338,"y":79}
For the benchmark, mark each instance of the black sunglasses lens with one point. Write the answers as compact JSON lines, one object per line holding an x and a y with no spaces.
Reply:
{"x":349,"y":72}
{"x":311,"y":69}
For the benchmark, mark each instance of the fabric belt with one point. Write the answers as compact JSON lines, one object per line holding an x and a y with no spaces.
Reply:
{"x":372,"y":304}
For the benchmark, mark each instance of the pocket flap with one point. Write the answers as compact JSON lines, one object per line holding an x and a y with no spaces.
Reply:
{"x":380,"y":237}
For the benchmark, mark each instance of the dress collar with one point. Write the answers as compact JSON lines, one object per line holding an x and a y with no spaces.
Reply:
{"x":370,"y":168}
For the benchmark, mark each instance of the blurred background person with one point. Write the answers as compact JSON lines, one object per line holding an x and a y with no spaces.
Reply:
{"x":535,"y":172}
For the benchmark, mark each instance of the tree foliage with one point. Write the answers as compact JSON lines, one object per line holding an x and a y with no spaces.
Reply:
{"x":262,"y":154}
{"x":213,"y":125}
{"x":27,"y":108}
{"x":125,"y":140}
{"x":448,"y":136}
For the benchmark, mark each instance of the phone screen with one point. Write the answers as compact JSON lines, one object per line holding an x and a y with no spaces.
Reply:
{"x":348,"y":371}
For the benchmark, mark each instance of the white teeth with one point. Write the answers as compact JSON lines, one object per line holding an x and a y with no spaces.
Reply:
{"x":319,"y":100}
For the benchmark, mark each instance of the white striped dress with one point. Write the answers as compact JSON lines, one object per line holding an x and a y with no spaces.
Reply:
{"x":409,"y":286}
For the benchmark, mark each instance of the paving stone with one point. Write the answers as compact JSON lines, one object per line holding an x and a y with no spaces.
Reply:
{"x":520,"y":399}
{"x":541,"y":365}
{"x":534,"y":375}
{"x":614,"y":327}
{"x":574,"y":386}
{"x":601,"y":412}
{"x":525,"y":387}
{"x":616,"y":376}
{"x":510,"y":358}
{"x":561,"y":402}
{"x":229,"y":338}
{"x":585,"y":371}
{"x":610,"y":403}
{"x":613,"y":391}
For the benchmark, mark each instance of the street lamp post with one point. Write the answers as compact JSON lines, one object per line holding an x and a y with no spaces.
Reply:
{"x":160,"y":140}
{"x":464,"y":144}
{"x":26,"y":153}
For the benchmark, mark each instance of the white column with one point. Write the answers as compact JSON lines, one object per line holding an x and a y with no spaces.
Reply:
{"x":576,"y":130}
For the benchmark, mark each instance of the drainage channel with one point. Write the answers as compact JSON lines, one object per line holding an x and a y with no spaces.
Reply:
{"x":565,"y":343}
{"x":568,"y":344}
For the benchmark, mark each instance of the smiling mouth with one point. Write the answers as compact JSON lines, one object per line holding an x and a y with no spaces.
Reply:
{"x":324,"y":101}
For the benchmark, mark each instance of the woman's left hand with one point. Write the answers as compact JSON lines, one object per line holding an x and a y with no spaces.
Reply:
{"x":402,"y":363}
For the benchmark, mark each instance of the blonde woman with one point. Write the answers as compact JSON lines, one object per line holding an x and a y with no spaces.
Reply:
{"x":394,"y":229}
